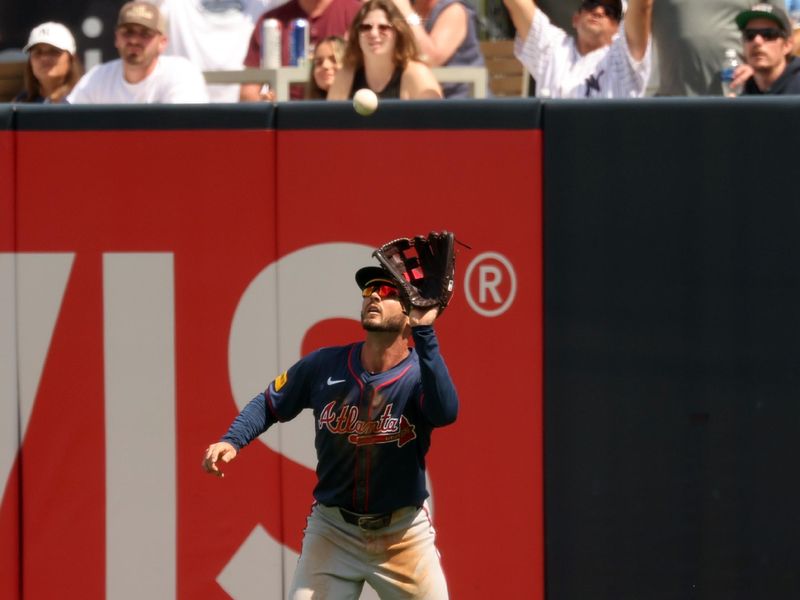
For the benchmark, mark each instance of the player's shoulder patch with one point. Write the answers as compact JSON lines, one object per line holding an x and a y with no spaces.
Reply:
{"x":280,"y":381}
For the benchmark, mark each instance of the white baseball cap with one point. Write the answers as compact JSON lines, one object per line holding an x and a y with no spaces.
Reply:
{"x":51,"y":33}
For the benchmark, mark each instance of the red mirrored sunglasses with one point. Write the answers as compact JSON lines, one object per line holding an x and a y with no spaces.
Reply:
{"x":384,"y":290}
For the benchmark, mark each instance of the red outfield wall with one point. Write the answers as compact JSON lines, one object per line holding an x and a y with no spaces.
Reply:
{"x":9,"y":401}
{"x":184,"y":258}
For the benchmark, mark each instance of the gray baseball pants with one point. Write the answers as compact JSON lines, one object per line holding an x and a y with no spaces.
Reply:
{"x":400,"y":561}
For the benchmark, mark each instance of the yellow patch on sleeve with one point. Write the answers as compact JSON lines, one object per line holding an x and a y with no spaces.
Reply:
{"x":280,"y":381}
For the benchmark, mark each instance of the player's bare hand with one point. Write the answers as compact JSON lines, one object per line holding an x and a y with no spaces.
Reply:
{"x":422,"y":316}
{"x":221,"y":451}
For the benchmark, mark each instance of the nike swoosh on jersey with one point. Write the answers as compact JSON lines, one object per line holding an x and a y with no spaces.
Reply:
{"x":334,"y":381}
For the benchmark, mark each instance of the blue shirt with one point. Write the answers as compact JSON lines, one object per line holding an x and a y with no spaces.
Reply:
{"x":372,"y":430}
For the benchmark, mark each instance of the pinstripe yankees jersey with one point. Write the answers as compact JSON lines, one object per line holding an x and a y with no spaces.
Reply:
{"x":372,"y":431}
{"x":552,"y":58}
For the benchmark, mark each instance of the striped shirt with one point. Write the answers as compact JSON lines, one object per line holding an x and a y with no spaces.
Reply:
{"x":552,"y":58}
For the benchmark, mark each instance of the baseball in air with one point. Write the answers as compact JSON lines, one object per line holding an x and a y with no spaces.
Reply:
{"x":365,"y":101}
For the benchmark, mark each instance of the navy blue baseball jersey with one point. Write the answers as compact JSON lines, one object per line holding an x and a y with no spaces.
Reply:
{"x":372,"y":430}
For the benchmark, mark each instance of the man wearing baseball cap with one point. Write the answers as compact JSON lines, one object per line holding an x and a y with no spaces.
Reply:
{"x":607,"y":58}
{"x":767,"y":43}
{"x":376,"y":403}
{"x":141,"y":74}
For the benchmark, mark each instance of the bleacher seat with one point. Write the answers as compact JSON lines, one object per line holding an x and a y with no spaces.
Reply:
{"x":507,"y":76}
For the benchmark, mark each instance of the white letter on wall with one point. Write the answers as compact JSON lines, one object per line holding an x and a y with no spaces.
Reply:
{"x":139,"y":342}
{"x":32,"y":288}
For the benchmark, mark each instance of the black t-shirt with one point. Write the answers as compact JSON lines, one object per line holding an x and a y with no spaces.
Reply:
{"x":392,"y":89}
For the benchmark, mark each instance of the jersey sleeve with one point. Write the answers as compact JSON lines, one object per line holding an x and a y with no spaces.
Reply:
{"x":629,"y":76}
{"x":537,"y":50}
{"x":290,"y":392}
{"x":439,"y":401}
{"x":249,"y":424}
{"x":286,"y":396}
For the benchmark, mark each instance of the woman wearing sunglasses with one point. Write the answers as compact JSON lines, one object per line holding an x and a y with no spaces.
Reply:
{"x":381,"y":55}
{"x":53,"y":67}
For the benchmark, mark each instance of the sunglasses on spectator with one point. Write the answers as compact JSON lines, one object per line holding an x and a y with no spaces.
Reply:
{"x":610,"y":11}
{"x":383,"y":290}
{"x":383,"y":28}
{"x":768,"y":34}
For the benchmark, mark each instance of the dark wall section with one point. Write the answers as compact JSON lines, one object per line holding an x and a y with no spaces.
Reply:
{"x":92,"y":117}
{"x":6,"y":117}
{"x":671,"y":347}
{"x":502,"y":114}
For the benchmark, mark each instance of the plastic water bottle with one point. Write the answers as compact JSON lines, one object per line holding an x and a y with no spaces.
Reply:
{"x":728,"y":69}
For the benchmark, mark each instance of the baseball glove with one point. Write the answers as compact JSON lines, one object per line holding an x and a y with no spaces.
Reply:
{"x":424,"y":268}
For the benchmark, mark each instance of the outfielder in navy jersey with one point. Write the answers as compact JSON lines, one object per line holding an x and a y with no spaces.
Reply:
{"x":375,"y":404}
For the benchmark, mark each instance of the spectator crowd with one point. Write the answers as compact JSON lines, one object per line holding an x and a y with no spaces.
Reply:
{"x":574,"y":49}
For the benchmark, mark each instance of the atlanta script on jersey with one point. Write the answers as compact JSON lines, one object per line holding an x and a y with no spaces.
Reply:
{"x":372,"y":430}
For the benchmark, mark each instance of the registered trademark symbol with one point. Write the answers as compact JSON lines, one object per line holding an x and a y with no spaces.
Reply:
{"x":490,"y":284}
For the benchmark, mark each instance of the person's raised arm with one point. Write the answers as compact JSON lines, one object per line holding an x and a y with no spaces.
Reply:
{"x":638,"y":23}
{"x":521,"y":12}
{"x":438,"y":46}
{"x":439,"y":401}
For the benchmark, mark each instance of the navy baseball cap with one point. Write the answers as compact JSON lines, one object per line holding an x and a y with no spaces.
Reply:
{"x":764,"y":11}
{"x":366,"y":275}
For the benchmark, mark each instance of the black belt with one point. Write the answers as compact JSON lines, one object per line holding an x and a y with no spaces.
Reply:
{"x":369,"y":522}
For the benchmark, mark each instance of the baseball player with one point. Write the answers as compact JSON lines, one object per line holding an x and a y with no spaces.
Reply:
{"x":598,"y":62}
{"x":376,"y":403}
